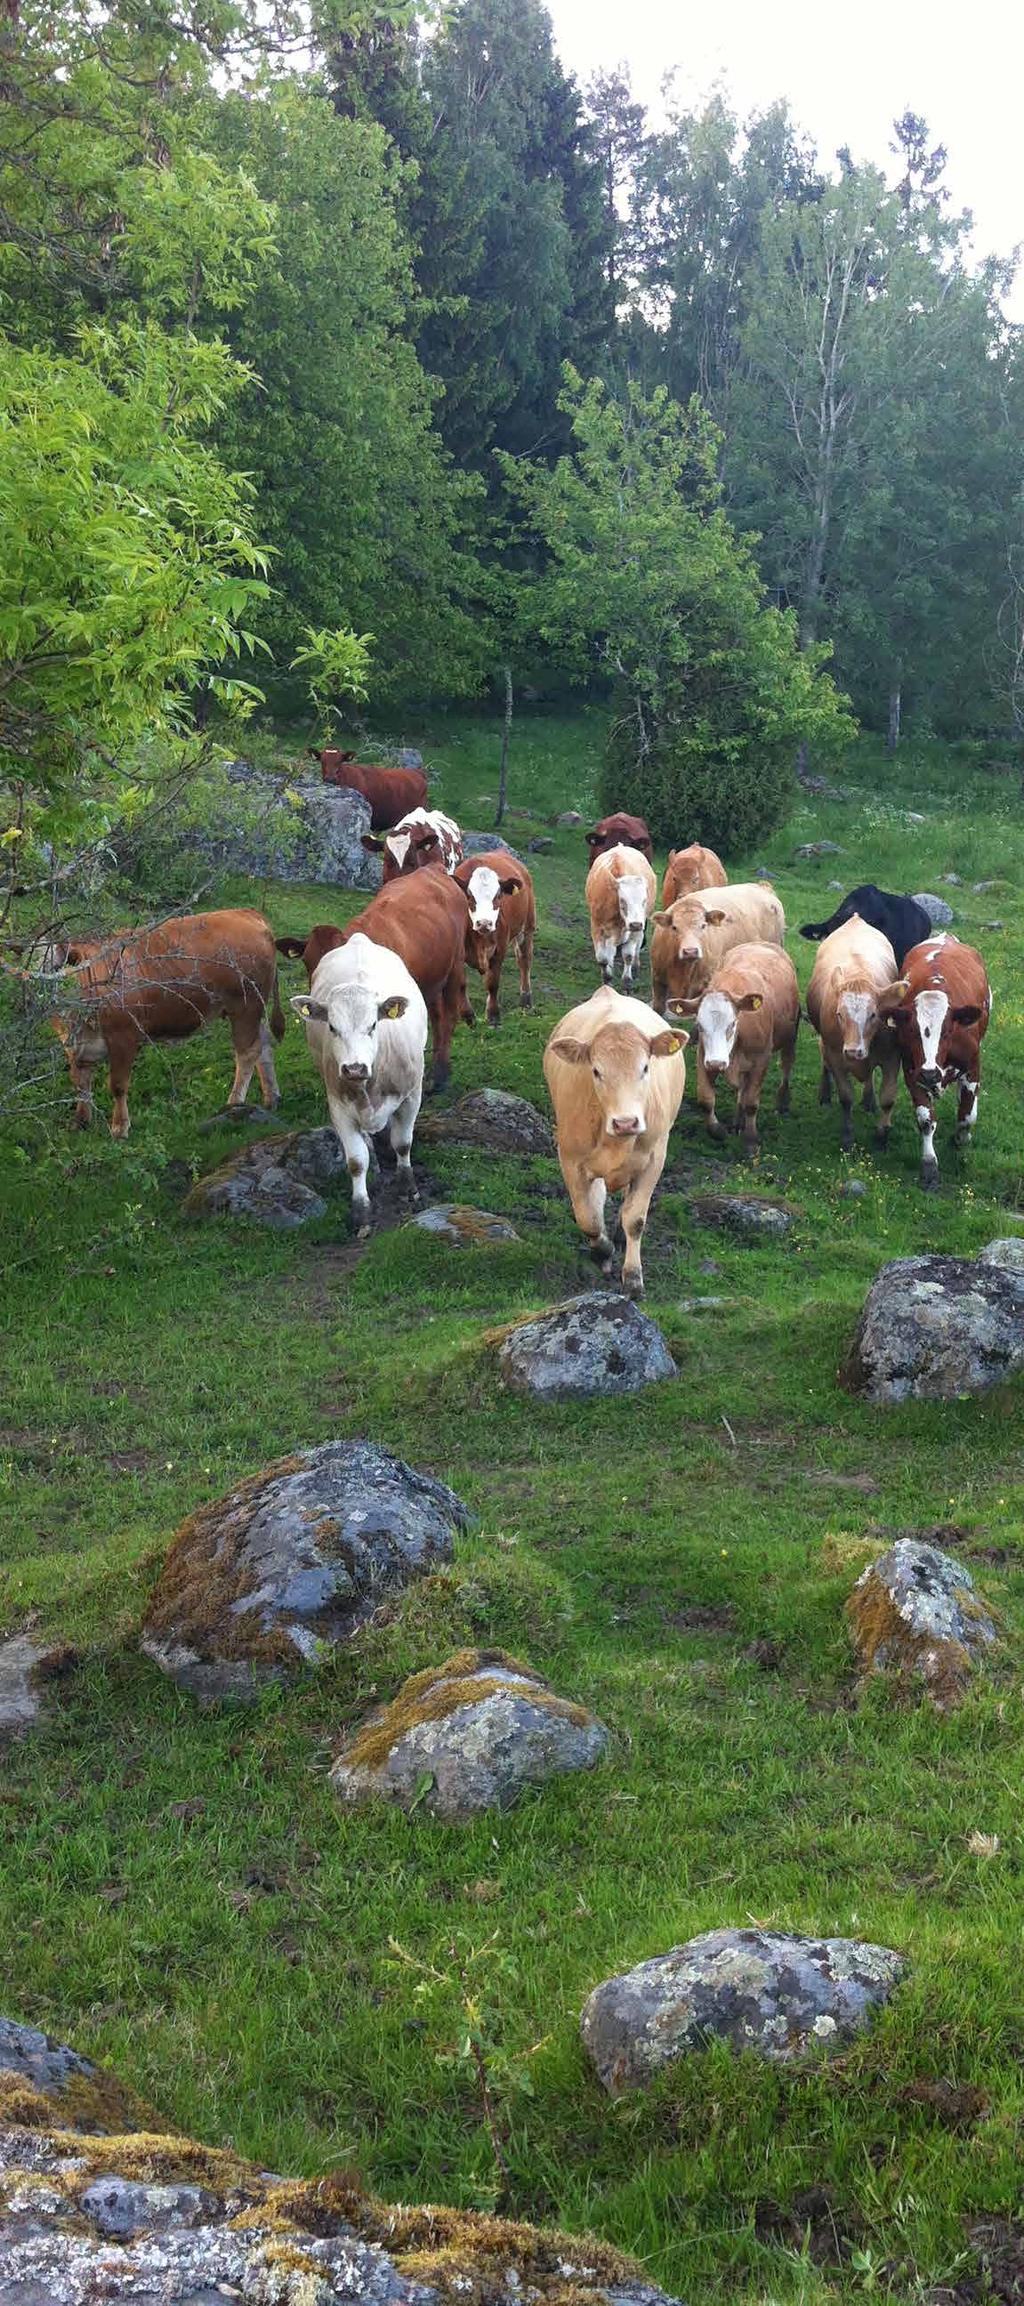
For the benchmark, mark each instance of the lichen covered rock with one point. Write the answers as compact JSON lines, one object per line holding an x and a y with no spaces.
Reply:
{"x":464,"y":1228}
{"x":591,"y":1346}
{"x":469,"y":1735}
{"x":292,"y":1561}
{"x":748,"y":1215}
{"x":270,"y":827}
{"x":1007,"y":1252}
{"x":492,"y":1118}
{"x":782,"y":1997}
{"x":27,"y":1667}
{"x":279,"y":1181}
{"x":44,"y":2085}
{"x":937,"y":1327}
{"x":915,"y":1612}
{"x":939,"y":912}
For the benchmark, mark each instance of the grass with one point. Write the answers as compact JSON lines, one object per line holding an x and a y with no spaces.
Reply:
{"x":179,"y":1894}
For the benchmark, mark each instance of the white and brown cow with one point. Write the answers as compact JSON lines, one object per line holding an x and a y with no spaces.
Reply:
{"x":615,"y":1076}
{"x":692,"y":868}
{"x":939,"y":1010}
{"x":855,"y":965}
{"x":692,"y":938}
{"x":424,"y":837}
{"x":366,"y":1025}
{"x":502,"y":912}
{"x":620,"y":891}
{"x":749,"y":1013}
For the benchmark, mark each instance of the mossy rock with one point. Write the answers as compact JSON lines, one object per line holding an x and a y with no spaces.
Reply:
{"x":463,"y":1227}
{"x":915,"y":1613}
{"x":44,"y":2085}
{"x":472,"y":1734}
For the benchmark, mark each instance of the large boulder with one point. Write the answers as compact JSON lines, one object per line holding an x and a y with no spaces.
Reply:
{"x":161,"y":2218}
{"x":278,"y":1181}
{"x":477,"y":844}
{"x":43,"y":2082}
{"x":915,"y":1612}
{"x":782,"y":1997}
{"x":493,"y":1118}
{"x":274,"y":829}
{"x":291,"y":1562}
{"x":939,"y":912}
{"x":591,"y":1346}
{"x":934,"y":1328}
{"x":469,"y":1735}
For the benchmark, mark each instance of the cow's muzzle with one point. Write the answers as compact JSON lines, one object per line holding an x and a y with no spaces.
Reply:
{"x":355,"y":1072}
{"x":930,"y":1077}
{"x":626,"y":1125}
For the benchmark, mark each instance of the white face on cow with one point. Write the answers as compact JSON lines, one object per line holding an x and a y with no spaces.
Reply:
{"x":632,"y":902}
{"x":931,"y":1009}
{"x":857,"y":1018}
{"x":353,"y":1016}
{"x":484,"y":894}
{"x":716,"y":1028}
{"x":398,"y":846}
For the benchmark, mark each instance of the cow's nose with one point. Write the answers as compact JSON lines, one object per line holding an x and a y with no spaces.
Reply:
{"x":355,"y":1072}
{"x":850,"y":1054}
{"x":929,"y":1074}
{"x":713,"y":1066}
{"x":626,"y":1124}
{"x":689,"y":952}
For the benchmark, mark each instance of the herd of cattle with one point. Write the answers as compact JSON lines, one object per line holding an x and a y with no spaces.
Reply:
{"x":886,"y":994}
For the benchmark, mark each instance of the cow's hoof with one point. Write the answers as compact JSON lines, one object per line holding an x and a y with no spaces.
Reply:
{"x":718,"y":1131}
{"x":600,"y":1253}
{"x":961,"y":1137}
{"x":881,"y":1140}
{"x":632,"y":1285}
{"x":526,"y":1000}
{"x":930,"y":1178}
{"x":494,"y":1021}
{"x":783,"y":1105}
{"x":868,"y":1100}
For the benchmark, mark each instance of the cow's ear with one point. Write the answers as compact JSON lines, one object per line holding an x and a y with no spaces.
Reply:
{"x":749,"y":1001}
{"x":889,"y":1000}
{"x":571,"y":1052}
{"x":311,"y":1012}
{"x":684,"y":1008}
{"x":508,"y":887}
{"x":396,"y":1007}
{"x":668,"y":1044}
{"x":716,"y":918}
{"x":968,"y":1014}
{"x":372,"y":842}
{"x":662,"y":921}
{"x":292,"y":947}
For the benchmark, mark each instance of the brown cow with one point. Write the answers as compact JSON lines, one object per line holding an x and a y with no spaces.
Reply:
{"x":853,"y":968}
{"x":502,"y":912}
{"x":695,"y":934}
{"x":422,"y":918}
{"x":620,"y":892}
{"x":162,"y":984}
{"x":423,"y":837}
{"x":391,"y":792}
{"x":939,"y":1011}
{"x":609,"y":831}
{"x":615,"y":1077}
{"x":692,"y":868}
{"x":750,"y":1009}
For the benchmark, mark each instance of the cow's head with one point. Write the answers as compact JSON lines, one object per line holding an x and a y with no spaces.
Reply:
{"x":620,"y":1059}
{"x":925,"y":1023}
{"x":353,"y":1015}
{"x":858,"y":1017}
{"x":310,"y":950}
{"x":718,"y":1016}
{"x":632,"y":903}
{"x":687,"y":920}
{"x":484,"y":890}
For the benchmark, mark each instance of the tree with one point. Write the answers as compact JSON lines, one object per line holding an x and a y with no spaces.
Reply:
{"x":619,"y":140}
{"x":647,"y":585}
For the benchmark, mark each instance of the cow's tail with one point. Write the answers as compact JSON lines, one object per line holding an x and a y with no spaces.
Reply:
{"x":277,"y":1016}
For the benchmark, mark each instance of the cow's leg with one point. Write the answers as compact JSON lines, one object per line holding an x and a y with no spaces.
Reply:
{"x":631,"y":949}
{"x":605,"y":949}
{"x":357,"y":1155}
{"x":924,"y":1113}
{"x":659,"y":992}
{"x":493,"y":986}
{"x":524,"y":956}
{"x":825,"y":1084}
{"x":247,"y":1041}
{"x":787,"y":1059}
{"x":81,"y":1070}
{"x":706,"y":1099}
{"x":868,"y":1099}
{"x":844,"y":1090}
{"x":887,"y":1099}
{"x":748,"y":1102}
{"x":265,"y":1067}
{"x":441,"y":1029}
{"x":588,"y":1196}
{"x":967,"y":1110}
{"x":403,"y":1122}
{"x":635,"y":1206}
{"x":122,"y":1050}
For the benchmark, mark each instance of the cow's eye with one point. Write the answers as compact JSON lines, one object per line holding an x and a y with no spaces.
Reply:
{"x":596,"y":1070}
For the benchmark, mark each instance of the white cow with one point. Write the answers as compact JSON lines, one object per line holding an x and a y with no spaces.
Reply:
{"x":366,"y":1025}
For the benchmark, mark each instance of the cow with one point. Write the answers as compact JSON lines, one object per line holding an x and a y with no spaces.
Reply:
{"x":424,"y":837}
{"x":939,"y":1008}
{"x":422,"y":918}
{"x":620,"y":892}
{"x":391,"y":792}
{"x":162,"y":984}
{"x":692,"y":937}
{"x":855,"y":965}
{"x":901,"y":919}
{"x":692,"y":868}
{"x":366,"y":1026}
{"x":615,"y":1076}
{"x":750,"y":1010}
{"x":502,"y":912}
{"x":609,"y":831}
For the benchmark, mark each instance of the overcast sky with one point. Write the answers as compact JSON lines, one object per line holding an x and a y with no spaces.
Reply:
{"x":847,"y":72}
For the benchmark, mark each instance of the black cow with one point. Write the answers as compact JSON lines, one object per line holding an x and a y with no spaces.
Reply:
{"x":901,"y":919}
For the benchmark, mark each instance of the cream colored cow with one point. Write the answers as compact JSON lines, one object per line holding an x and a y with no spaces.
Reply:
{"x":751,"y":1009}
{"x":692,"y":938}
{"x":853,"y":968}
{"x":615,"y":1076}
{"x":621,"y":891}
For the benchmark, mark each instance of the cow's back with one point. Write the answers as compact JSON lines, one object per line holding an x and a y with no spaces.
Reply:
{"x":958,"y":969}
{"x":854,"y":953}
{"x":694,"y":868}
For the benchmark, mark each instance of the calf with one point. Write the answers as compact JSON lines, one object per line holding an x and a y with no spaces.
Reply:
{"x":620,"y":891}
{"x":391,"y":792}
{"x":502,"y":912}
{"x":901,"y":919}
{"x":939,"y":1011}
{"x":422,"y":918}
{"x":424,"y":837}
{"x":366,"y":1026}
{"x":162,"y":984}
{"x":692,"y":868}
{"x":615,"y":1077}
{"x":854,"y":967}
{"x":694,"y":935}
{"x":609,"y":831}
{"x":750,"y":1009}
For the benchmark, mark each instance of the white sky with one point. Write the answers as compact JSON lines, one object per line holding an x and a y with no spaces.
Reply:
{"x":847,"y":71}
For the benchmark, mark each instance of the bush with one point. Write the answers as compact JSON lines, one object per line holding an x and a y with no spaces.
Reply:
{"x":689,"y":786}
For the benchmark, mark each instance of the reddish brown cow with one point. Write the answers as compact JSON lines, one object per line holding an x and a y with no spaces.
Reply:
{"x":502,"y":912}
{"x":692,"y":868}
{"x":609,"y":831}
{"x":939,"y":1010}
{"x":162,"y":984}
{"x":422,"y":918}
{"x":391,"y":792}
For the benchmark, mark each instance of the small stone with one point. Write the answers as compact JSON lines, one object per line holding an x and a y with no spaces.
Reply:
{"x":708,"y":1265}
{"x":464,"y":1228}
{"x":939,"y":913}
{"x":493,"y":1118}
{"x":407,"y":757}
{"x":834,"y":884}
{"x":25,"y":1668}
{"x":914,"y":817}
{"x":934,"y":1328}
{"x":782,"y":1997}
{"x":591,"y":1346}
{"x":746,"y":1214}
{"x":470,"y":1735}
{"x":237,"y":1117}
{"x":949,"y":881}
{"x":292,"y":1563}
{"x":700,"y":1304}
{"x":993,"y":925}
{"x":916,"y":1611}
{"x":279,"y":1181}
{"x":982,"y":888}
{"x":762,"y":872}
{"x":540,"y":845}
{"x":819,"y":849}
{"x":569,"y":817}
{"x":476,"y":844}
{"x":852,"y":1189}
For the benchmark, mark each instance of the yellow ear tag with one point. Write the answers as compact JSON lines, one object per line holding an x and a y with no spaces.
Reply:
{"x":392,"y":1010}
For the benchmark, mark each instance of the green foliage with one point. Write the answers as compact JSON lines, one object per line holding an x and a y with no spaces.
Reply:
{"x":647,"y":584}
{"x":336,"y":665}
